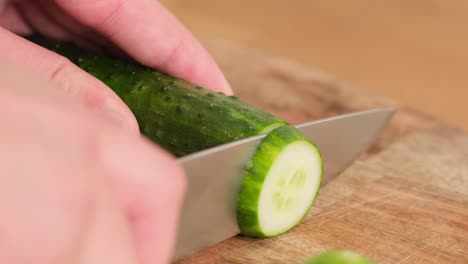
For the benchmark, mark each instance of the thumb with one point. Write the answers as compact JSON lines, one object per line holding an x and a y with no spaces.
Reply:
{"x":58,"y":70}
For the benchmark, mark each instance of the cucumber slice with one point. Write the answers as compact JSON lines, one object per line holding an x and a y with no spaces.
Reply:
{"x":280,"y":184}
{"x":339,"y":257}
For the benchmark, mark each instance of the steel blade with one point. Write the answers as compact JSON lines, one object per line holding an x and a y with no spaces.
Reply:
{"x":214,"y":175}
{"x":341,"y":139}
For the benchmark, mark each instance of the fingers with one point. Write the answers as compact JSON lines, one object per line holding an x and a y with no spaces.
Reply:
{"x":65,"y":75}
{"x":81,"y":34}
{"x":151,"y":34}
{"x":150,"y":185}
{"x":41,"y":22}
{"x":56,"y":206}
{"x":11,"y":19}
{"x":101,"y":196}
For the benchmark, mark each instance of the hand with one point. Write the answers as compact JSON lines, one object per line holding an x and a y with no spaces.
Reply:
{"x":73,"y":189}
{"x":144,"y":29}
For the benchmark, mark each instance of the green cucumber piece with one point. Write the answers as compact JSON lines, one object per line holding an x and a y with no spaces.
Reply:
{"x":339,"y":257}
{"x":280,"y":183}
{"x":179,"y":116}
{"x":281,"y":180}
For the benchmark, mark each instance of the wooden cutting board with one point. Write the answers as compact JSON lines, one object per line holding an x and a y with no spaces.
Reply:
{"x":404,"y":201}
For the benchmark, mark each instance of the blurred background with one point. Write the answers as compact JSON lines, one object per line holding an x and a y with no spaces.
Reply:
{"x":415,"y":51}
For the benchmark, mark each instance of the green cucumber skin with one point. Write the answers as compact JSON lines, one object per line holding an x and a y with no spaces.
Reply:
{"x":339,"y":257}
{"x":254,"y":177}
{"x":179,"y":116}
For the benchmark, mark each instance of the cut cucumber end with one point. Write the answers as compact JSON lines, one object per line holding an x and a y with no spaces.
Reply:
{"x":280,"y":185}
{"x":289,"y":189}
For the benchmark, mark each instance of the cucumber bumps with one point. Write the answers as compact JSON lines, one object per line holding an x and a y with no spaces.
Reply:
{"x":281,"y":180}
{"x":180,"y":117}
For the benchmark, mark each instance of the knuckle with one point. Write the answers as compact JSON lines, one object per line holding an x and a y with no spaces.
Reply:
{"x":172,"y":56}
{"x":109,"y":13}
{"x":70,"y":78}
{"x":59,"y":72}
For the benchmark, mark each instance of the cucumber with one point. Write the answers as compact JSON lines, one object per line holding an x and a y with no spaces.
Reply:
{"x":179,"y":116}
{"x":283,"y":176}
{"x":339,"y":257}
{"x":280,"y":184}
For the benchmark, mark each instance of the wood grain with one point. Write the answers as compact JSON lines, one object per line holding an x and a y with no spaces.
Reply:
{"x":404,"y":201}
{"x":411,"y":50}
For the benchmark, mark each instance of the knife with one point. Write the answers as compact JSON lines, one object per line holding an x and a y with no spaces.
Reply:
{"x":214,"y":175}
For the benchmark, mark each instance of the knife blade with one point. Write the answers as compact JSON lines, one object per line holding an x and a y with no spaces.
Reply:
{"x":214,"y":176}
